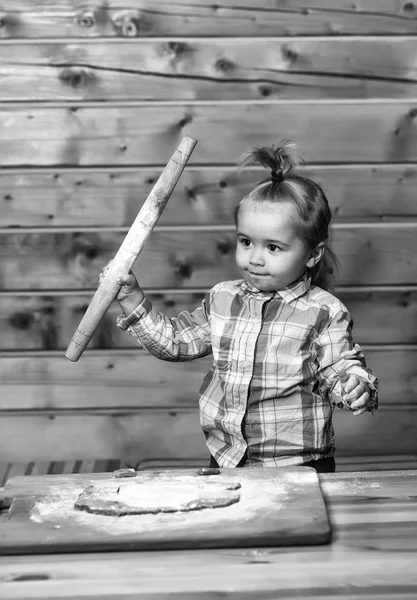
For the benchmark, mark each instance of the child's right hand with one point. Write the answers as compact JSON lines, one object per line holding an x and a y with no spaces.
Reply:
{"x":128,"y":282}
{"x":129,"y":285}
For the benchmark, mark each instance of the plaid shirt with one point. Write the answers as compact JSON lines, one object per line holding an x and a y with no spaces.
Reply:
{"x":274,"y":382}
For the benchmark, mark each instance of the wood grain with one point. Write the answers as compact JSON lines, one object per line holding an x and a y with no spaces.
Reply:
{"x":203,"y":196}
{"x":46,"y":321}
{"x":148,"y":434}
{"x":236,"y":574}
{"x":210,"y":69}
{"x":125,"y":380}
{"x":239,"y":574}
{"x":388,"y":462}
{"x":129,"y":436}
{"x":369,"y":255}
{"x":133,"y":18}
{"x":249,"y":494}
{"x":144,"y":134}
{"x":373,"y":555}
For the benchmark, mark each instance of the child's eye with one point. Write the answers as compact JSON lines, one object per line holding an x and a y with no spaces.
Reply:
{"x":245,"y":242}
{"x":273,"y":248}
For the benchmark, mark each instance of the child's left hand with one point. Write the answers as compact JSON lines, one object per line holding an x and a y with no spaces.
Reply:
{"x":356,"y":394}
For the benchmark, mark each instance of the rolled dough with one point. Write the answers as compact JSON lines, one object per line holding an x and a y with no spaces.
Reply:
{"x":136,"y":498}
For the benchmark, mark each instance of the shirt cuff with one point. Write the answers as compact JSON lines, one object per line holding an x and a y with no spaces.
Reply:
{"x":125,"y":322}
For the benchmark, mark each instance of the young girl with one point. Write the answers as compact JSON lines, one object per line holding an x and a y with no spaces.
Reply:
{"x":283,"y":354}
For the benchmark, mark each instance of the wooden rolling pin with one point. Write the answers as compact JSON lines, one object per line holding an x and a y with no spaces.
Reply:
{"x":131,"y":246}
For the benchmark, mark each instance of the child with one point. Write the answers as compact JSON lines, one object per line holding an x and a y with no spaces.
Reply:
{"x":281,"y":342}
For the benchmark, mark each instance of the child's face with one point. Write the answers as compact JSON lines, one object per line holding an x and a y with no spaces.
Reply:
{"x":269,"y":254}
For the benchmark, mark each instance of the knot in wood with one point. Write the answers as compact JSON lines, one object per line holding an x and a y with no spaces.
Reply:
{"x":190,"y":194}
{"x":174,"y":49}
{"x":74,"y":76}
{"x":289,"y":54}
{"x":22,"y":321}
{"x":127,"y":24}
{"x":224,"y":247}
{"x":404,"y":300}
{"x":409,"y":7}
{"x":265,"y":91}
{"x":91,"y":253}
{"x":86,"y":19}
{"x":10,"y":21}
{"x":224,"y":65}
{"x":183,"y":268}
{"x":186,"y":120}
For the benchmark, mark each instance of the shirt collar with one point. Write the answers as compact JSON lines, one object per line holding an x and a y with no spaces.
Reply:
{"x":291,"y":292}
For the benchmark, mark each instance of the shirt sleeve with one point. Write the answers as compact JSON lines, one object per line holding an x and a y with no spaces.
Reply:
{"x":337,"y":352}
{"x":181,"y":338}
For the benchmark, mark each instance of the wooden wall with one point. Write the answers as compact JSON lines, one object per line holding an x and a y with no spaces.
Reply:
{"x":94,"y":98}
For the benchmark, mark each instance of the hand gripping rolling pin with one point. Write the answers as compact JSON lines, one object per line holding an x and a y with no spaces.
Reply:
{"x":131,"y":246}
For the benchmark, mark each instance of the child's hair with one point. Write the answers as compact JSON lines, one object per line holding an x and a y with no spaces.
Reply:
{"x":284,"y":185}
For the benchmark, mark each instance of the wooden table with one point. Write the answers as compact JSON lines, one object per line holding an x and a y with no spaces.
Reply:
{"x":373,"y":557}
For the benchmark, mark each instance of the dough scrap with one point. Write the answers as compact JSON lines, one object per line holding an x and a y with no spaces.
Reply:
{"x":135,"y":498}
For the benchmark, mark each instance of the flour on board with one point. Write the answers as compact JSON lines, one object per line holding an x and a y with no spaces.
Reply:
{"x":139,"y":498}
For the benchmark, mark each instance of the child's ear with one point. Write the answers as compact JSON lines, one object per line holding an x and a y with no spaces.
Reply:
{"x":316,"y":255}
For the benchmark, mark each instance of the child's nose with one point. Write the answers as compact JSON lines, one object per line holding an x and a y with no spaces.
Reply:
{"x":256,"y":257}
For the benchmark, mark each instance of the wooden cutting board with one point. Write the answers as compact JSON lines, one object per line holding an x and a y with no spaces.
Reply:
{"x":276,"y":507}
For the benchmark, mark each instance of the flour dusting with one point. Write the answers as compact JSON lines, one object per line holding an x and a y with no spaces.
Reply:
{"x":58,"y":511}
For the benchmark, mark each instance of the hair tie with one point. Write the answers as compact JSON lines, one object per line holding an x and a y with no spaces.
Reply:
{"x":277,"y":176}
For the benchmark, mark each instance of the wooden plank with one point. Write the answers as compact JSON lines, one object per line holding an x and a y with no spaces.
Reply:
{"x":368,"y":255}
{"x":377,"y":463}
{"x":371,"y":131}
{"x":115,"y":381}
{"x":129,"y":436}
{"x":124,"y":380}
{"x":210,"y":69}
{"x":47,"y":321}
{"x":150,"y":434}
{"x":372,"y":434}
{"x":203,"y":196}
{"x":340,"y":488}
{"x":330,"y":572}
{"x":73,"y":18}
